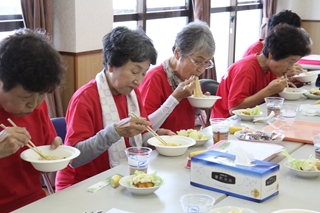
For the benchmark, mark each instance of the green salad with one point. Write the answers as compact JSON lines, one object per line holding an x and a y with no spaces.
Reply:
{"x":310,"y":164}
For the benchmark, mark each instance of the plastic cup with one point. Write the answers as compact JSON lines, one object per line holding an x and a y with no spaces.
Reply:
{"x":274,"y":104}
{"x":289,"y":113}
{"x":196,"y":203}
{"x":316,"y":143}
{"x":138,"y":158}
{"x":220,"y":129}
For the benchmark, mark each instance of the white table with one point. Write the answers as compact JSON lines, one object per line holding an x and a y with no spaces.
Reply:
{"x":294,"y":192}
{"x":165,"y":199}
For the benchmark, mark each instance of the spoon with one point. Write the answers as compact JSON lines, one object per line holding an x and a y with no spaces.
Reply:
{"x":257,"y":119}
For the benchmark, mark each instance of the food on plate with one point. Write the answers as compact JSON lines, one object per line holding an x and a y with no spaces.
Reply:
{"x":304,"y":73}
{"x":235,"y":211}
{"x":310,"y":164}
{"x":114,"y":181}
{"x":197,"y":92}
{"x":255,"y":135}
{"x":250,"y":111}
{"x":142,"y":180}
{"x":51,"y":157}
{"x":318,"y":102}
{"x":234,"y":129}
{"x":170,"y":144}
{"x":315,"y":91}
{"x":192,"y":133}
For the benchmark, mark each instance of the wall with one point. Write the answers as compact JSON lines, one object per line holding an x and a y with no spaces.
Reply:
{"x":79,"y":26}
{"x":308,"y":10}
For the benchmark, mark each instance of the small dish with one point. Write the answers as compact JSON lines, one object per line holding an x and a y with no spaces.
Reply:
{"x":245,"y":117}
{"x":238,"y":133}
{"x":311,"y":96}
{"x":124,"y":181}
{"x":202,"y":142}
{"x":206,"y":102}
{"x":301,"y":173}
{"x":294,"y":211}
{"x":235,"y":209}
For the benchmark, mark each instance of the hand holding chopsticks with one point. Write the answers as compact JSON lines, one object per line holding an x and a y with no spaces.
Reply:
{"x":150,"y":130}
{"x":30,"y":143}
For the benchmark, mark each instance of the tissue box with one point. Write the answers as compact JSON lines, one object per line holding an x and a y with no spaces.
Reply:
{"x":216,"y":171}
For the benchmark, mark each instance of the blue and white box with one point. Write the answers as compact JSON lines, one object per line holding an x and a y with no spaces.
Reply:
{"x":217,"y":171}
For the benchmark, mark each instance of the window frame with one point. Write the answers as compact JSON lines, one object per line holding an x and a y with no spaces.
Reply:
{"x":143,"y":15}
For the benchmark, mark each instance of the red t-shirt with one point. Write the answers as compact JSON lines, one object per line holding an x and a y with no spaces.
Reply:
{"x":243,"y":79}
{"x":255,"y":48}
{"x":84,"y":120}
{"x":19,"y":182}
{"x":155,"y":90}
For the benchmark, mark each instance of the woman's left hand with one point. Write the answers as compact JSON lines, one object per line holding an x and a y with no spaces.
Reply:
{"x":56,"y":142}
{"x":296,"y":69}
{"x":165,"y":132}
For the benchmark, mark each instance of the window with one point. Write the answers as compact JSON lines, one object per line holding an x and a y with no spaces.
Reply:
{"x":10,"y":17}
{"x":228,"y":18}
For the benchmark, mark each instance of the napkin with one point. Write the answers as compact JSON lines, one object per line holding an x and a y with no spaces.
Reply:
{"x":310,"y":110}
{"x":243,"y":157}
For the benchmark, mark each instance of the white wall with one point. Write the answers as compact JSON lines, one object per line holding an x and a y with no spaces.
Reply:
{"x":306,"y":9}
{"x":79,"y":25}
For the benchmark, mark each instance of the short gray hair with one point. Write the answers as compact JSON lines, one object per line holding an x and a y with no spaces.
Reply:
{"x":195,"y":37}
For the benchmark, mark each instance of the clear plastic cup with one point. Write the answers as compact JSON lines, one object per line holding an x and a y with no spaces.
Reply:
{"x":196,"y":203}
{"x":274,"y":104}
{"x":138,"y":158}
{"x":289,"y":113}
{"x":316,"y":144}
{"x":220,"y":129}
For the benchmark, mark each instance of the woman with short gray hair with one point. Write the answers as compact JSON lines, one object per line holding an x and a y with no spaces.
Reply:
{"x":167,"y":86}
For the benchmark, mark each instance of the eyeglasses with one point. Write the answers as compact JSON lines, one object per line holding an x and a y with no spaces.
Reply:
{"x":206,"y":65}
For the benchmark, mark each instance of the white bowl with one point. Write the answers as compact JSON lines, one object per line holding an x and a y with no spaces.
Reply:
{"x":301,"y":173}
{"x":65,"y":153}
{"x":294,"y":211}
{"x":307,"y":77}
{"x":205,"y":102}
{"x":292,"y":93}
{"x":184,"y":144}
{"x":245,"y":117}
{"x":124,"y":181}
{"x":227,"y":209}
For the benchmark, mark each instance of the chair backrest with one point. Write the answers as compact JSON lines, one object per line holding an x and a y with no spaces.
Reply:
{"x":209,"y":85}
{"x":59,"y":124}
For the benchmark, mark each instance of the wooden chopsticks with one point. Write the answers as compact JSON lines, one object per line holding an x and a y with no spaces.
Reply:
{"x":285,"y":75}
{"x":150,"y":130}
{"x":30,"y":145}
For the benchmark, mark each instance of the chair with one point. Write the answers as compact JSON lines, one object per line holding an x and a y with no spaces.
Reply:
{"x":59,"y":124}
{"x":209,"y":85}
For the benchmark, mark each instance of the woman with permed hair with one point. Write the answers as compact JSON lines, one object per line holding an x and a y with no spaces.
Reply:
{"x":167,"y":86}
{"x":98,"y":121}
{"x":29,"y":68}
{"x":251,"y":79}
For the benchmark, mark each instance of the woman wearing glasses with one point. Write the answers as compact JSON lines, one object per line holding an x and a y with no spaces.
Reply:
{"x":167,"y":86}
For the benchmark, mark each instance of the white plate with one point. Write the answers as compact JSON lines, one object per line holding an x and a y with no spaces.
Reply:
{"x":294,"y":211}
{"x":311,"y":96}
{"x":245,"y":117}
{"x":300,"y":173}
{"x":202,"y":142}
{"x":227,"y":209}
{"x":124,"y":181}
{"x":237,"y":134}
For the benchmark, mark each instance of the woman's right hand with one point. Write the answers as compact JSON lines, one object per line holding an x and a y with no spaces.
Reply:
{"x":184,"y":89}
{"x":276,"y":86}
{"x":129,"y":127}
{"x":12,"y":139}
